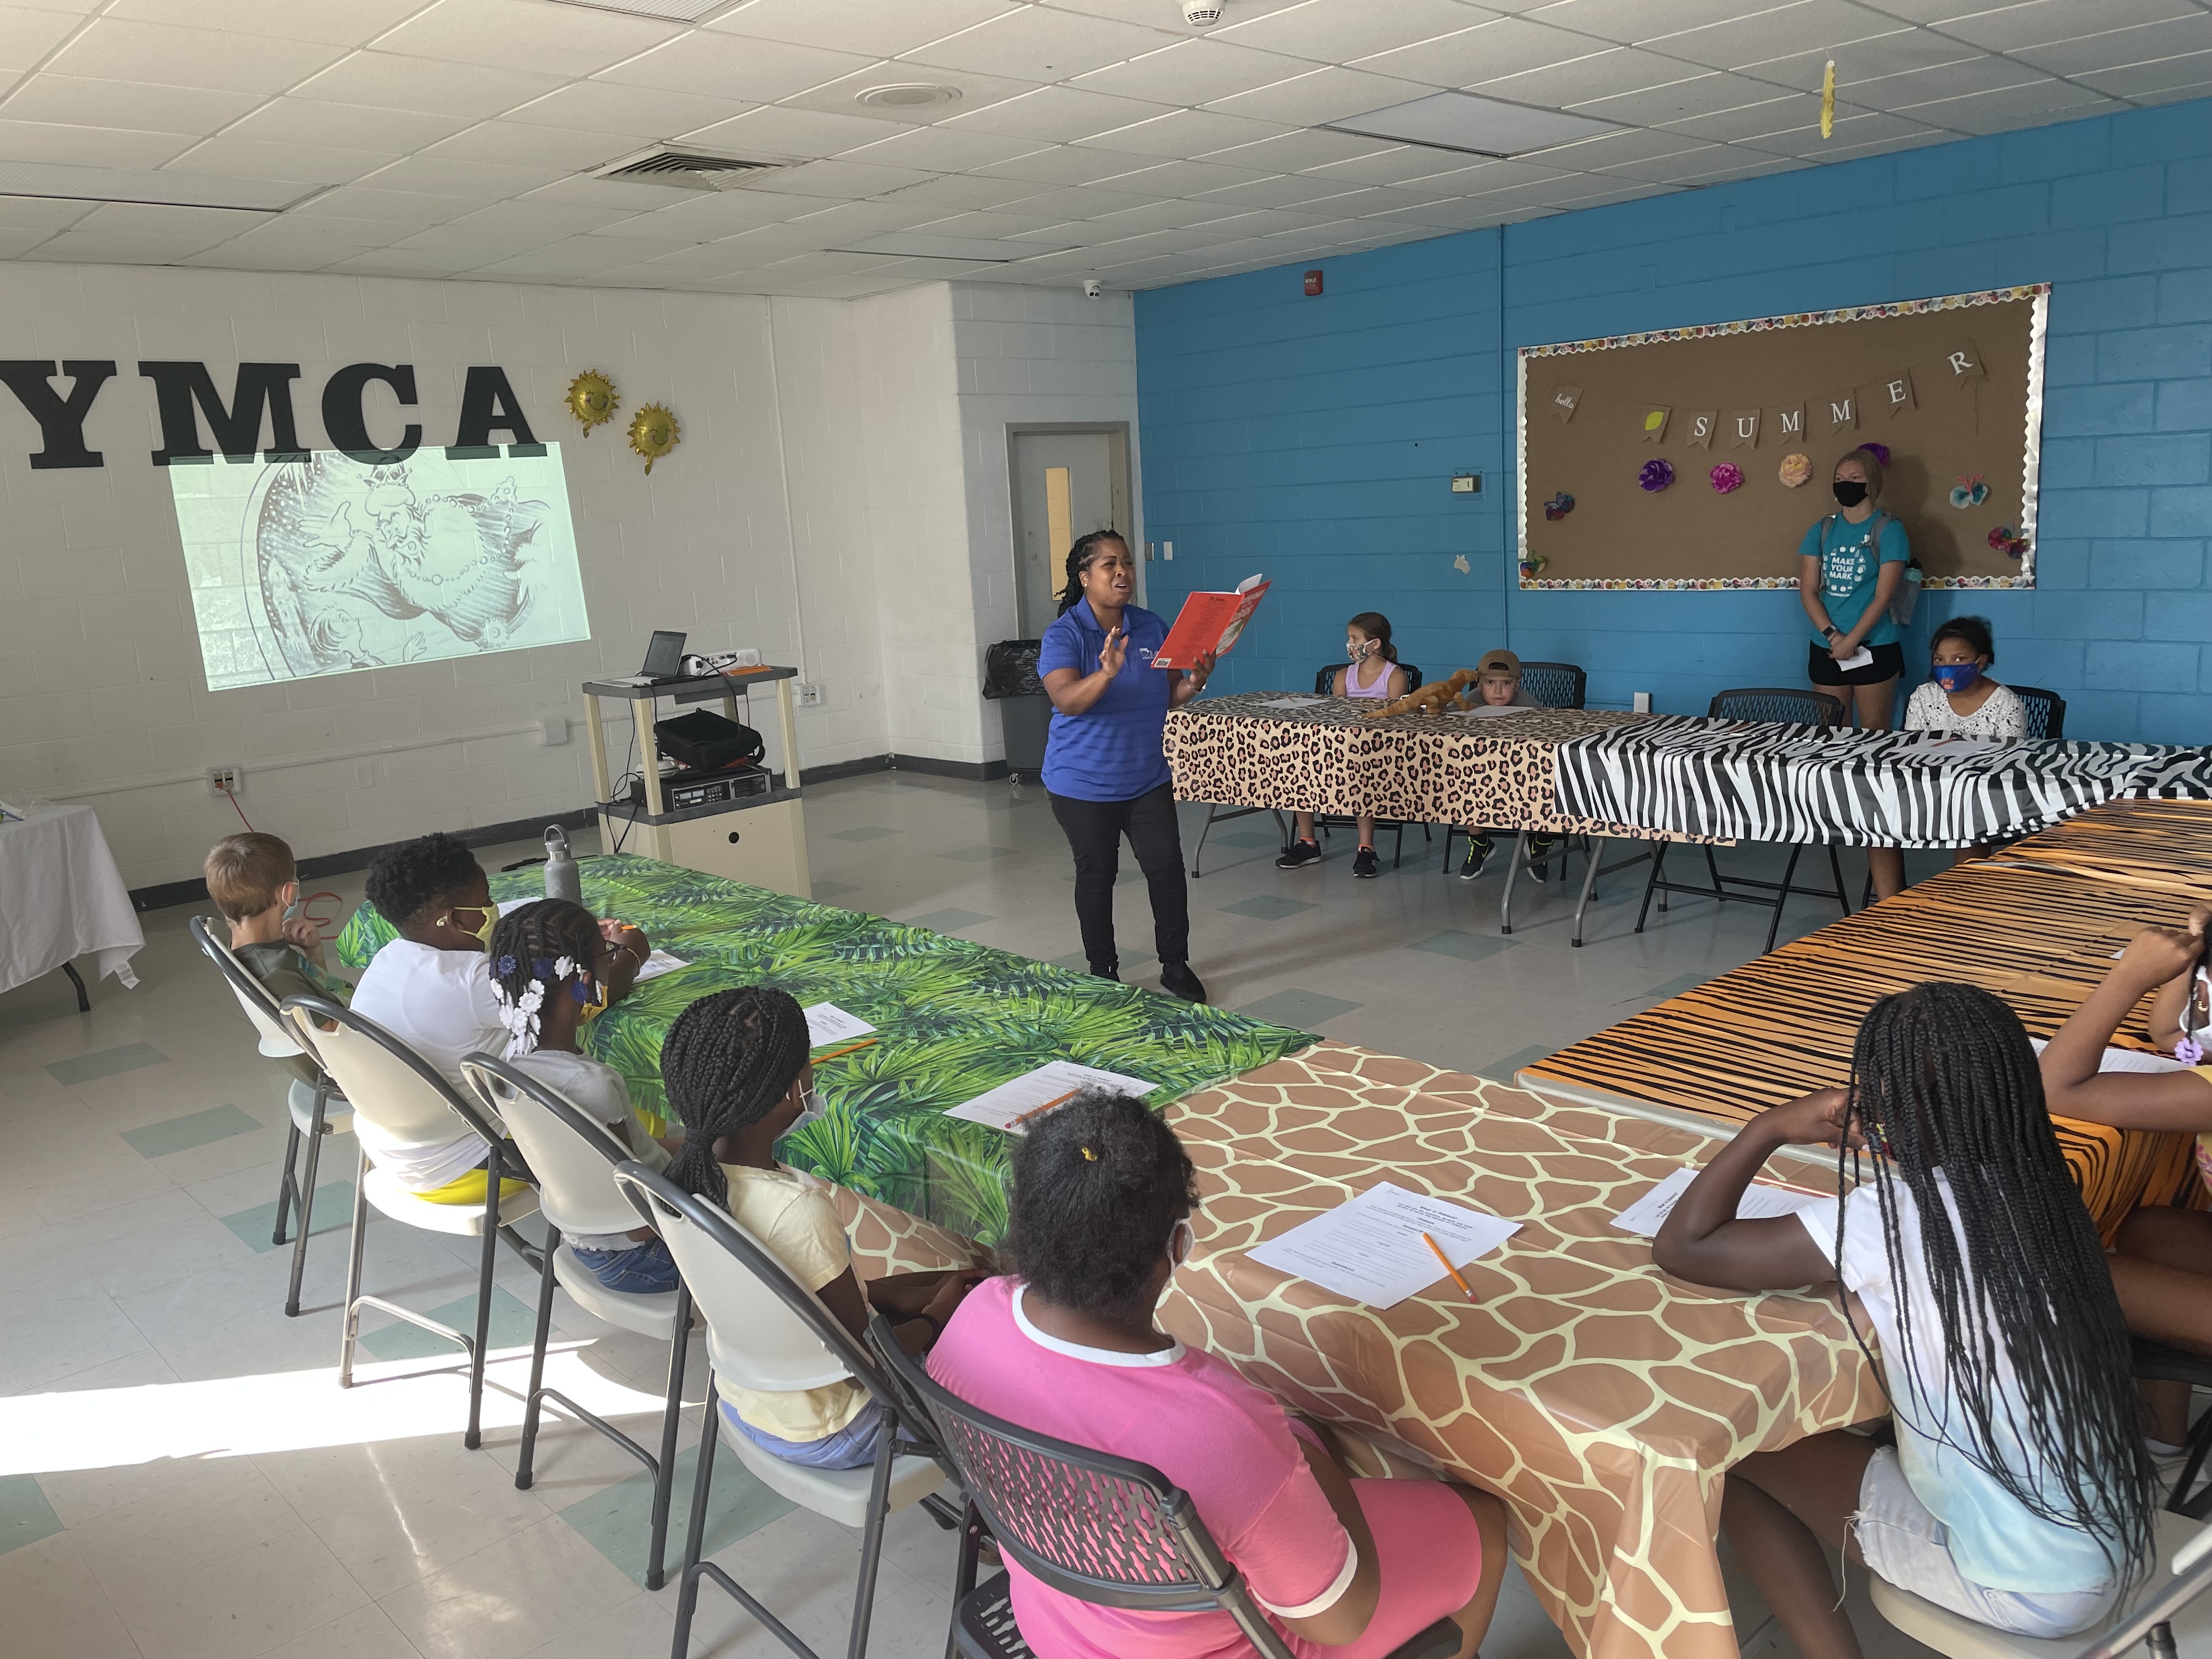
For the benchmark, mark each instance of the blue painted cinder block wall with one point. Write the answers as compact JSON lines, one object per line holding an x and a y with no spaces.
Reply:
{"x":1315,"y":439}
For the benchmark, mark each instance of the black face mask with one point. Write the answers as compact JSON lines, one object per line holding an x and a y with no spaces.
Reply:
{"x":1849,"y":492}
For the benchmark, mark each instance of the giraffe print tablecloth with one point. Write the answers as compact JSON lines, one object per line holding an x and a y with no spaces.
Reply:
{"x":1601,"y":1399}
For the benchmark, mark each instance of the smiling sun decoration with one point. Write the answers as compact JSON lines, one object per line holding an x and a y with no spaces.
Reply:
{"x":591,"y":399}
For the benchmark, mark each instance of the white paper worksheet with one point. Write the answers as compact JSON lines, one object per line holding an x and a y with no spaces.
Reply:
{"x":1761,"y":1201}
{"x":826,"y":1022}
{"x":1290,"y":702}
{"x":1050,"y":1084}
{"x":658,"y":964}
{"x":1862,"y":658}
{"x":1491,"y":711}
{"x":1369,"y":1248}
{"x":2126,"y":1060}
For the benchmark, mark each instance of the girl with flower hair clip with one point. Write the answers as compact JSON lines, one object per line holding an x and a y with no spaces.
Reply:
{"x":553,"y":966}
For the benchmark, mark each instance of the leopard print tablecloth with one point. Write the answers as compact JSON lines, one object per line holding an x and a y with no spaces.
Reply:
{"x":1601,"y":1399}
{"x":1418,"y":768}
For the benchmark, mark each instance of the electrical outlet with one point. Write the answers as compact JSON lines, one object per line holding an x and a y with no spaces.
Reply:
{"x":225,"y":781}
{"x":808,"y":694}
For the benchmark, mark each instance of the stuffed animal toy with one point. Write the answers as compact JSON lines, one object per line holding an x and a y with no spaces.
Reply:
{"x":1434,"y":699}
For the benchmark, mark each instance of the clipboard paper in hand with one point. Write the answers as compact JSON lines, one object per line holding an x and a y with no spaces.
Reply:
{"x":1209,"y":624}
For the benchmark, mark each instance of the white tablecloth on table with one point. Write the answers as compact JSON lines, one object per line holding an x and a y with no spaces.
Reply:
{"x":61,"y":897}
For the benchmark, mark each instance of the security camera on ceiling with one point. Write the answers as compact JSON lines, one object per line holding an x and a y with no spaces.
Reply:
{"x":1201,"y":14}
{"x":1091,"y":290}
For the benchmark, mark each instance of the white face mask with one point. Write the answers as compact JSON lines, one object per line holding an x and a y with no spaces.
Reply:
{"x":812,"y":1111}
{"x":1181,"y":1242}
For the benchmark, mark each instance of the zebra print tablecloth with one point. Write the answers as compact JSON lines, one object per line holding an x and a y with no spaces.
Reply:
{"x":1766,"y":782}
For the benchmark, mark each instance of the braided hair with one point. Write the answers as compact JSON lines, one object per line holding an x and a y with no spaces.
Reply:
{"x":1942,"y":1078}
{"x":727,"y":1062}
{"x":1080,"y":557}
{"x":534,"y":949}
{"x":1099,"y":1185}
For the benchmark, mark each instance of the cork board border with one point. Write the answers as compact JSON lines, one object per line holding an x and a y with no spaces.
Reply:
{"x":1620,"y":538}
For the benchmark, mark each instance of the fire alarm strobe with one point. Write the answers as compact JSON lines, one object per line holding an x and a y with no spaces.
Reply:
{"x":1313,"y":283}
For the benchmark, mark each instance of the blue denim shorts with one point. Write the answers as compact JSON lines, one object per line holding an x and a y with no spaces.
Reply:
{"x":853,"y":1447}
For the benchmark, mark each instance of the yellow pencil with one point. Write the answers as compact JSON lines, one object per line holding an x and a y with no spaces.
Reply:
{"x":850,"y":1048}
{"x":1037,"y":1111}
{"x":1448,"y":1268}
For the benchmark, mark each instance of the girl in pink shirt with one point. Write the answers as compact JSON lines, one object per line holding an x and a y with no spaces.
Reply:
{"x":1346,"y":1569}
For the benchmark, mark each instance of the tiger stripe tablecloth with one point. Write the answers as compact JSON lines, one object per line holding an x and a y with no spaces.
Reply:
{"x":1767,"y":782}
{"x":1601,"y":1399}
{"x":2165,"y":845}
{"x":1785,"y":1023}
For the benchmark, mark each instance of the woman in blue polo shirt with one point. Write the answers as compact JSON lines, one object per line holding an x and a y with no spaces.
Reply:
{"x":1849,"y":564}
{"x":1103,"y":765}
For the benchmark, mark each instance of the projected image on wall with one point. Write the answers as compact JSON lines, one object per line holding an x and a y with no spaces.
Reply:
{"x":337,"y":565}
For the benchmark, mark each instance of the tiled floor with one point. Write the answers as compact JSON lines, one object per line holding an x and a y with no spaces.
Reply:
{"x":180,"y":1476}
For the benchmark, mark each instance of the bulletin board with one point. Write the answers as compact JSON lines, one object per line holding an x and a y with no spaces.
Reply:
{"x":1712,"y":416}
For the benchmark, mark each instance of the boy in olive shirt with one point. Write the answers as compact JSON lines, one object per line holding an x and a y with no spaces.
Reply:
{"x":253,"y":881}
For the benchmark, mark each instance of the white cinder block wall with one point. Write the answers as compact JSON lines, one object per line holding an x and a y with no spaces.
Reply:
{"x":841,"y":492}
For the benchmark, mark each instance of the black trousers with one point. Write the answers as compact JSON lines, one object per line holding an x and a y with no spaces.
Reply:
{"x":1094,"y":830}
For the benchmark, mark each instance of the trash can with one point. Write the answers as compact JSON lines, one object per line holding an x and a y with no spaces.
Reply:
{"x":1010,"y":679}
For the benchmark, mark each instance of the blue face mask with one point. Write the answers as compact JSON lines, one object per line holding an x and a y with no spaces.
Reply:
{"x":1957,"y":676}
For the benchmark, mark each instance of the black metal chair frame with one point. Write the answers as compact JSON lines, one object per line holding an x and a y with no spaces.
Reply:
{"x":1772,"y":894}
{"x":500,"y":1157}
{"x":1160,"y":1525}
{"x":646,"y":1190}
{"x":1324,"y":680}
{"x":662,"y":1469}
{"x":296,"y":1190}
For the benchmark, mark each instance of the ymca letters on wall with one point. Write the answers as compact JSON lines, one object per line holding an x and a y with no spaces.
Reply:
{"x":1952,"y":386}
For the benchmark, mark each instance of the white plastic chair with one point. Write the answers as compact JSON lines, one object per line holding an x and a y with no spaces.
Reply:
{"x":573,"y":1155}
{"x":406,"y":1098}
{"x":2167,"y":1609}
{"x":764,"y":1332}
{"x":316,"y":1110}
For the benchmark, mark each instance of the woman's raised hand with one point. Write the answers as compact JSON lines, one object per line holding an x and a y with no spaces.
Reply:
{"x":1111,"y":654}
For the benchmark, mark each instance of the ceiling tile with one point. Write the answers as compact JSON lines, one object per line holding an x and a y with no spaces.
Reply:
{"x":2008,"y":107}
{"x":447,"y":175}
{"x":1058,"y":164}
{"x":845,"y":179}
{"x":1863,"y":60}
{"x":1195,"y":72}
{"x":1173,"y":214}
{"x":249,"y":158}
{"x":779,"y":129}
{"x":1640,"y":21}
{"x":91,"y":146}
{"x":524,"y":35}
{"x":1833,"y":27}
{"x":1579,"y":85}
{"x":1035,"y":43}
{"x":842,"y":95}
{"x":963,"y":192}
{"x":382,"y":81}
{"x":1394,"y":165}
{"x":885,"y":27}
{"x":1611,"y":149}
{"x":343,"y":127}
{"x":2153,"y":80}
{"x":943,"y":150}
{"x":1341,"y":31}
{"x":602,"y":106}
{"x":1854,"y":134}
{"x":40,"y":213}
{"x":1976,"y":75}
{"x":1187,"y":133}
{"x":1169,"y":20}
{"x":513,"y":144}
{"x":340,"y":23}
{"x":113,"y":49}
{"x":1325,"y":95}
{"x":26,"y":37}
{"x":1503,"y":46}
{"x":1703,"y":95}
{"x":1294,"y":151}
{"x":1183,"y":178}
{"x":1283,"y":190}
{"x":2042,"y":22}
{"x":2121,"y":48}
{"x":708,"y":65}
{"x":414,"y":208}
{"x":1058,"y":115}
{"x":1083,"y":202}
{"x":129,"y":106}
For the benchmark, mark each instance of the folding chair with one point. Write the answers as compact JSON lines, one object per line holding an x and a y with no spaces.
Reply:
{"x":1104,"y":1529}
{"x":573,"y":1155}
{"x":1553,"y":685}
{"x":764,"y":1332}
{"x":315,"y":1110}
{"x":406,"y":1098}
{"x":1324,"y":678}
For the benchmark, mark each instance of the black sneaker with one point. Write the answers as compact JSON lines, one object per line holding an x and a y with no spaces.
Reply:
{"x":1111,"y":971}
{"x":1363,"y":864}
{"x":1478,"y":854}
{"x":1299,"y":854}
{"x":1177,"y":980}
{"x":1540,"y":849}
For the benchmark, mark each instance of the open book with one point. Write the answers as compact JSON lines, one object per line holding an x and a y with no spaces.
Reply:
{"x":1210,"y":622}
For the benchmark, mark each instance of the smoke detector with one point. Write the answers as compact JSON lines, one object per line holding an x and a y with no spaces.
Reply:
{"x":687,"y":169}
{"x":1201,"y":14}
{"x":907,"y":94}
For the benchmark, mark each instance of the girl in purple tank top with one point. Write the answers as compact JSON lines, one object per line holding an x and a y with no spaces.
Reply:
{"x":1372,"y":675}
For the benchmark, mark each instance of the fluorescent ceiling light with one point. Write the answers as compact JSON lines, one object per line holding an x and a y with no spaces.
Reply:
{"x":1473,"y":125}
{"x":73,"y":184}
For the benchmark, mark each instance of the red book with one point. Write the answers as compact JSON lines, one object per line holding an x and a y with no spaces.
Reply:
{"x":1210,"y":622}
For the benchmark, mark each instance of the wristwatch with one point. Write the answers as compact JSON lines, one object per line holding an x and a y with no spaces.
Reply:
{"x":1830,"y":632}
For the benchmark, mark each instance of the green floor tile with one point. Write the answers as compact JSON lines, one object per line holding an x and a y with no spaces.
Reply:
{"x":1267,"y":907}
{"x":106,"y":1062}
{"x":1078,"y":961}
{"x":618,"y":1522}
{"x":865,"y":832}
{"x":1502,"y":1071}
{"x":1467,"y":947}
{"x":1300,"y":1010}
{"x":178,"y":1134}
{"x":333,"y":1214}
{"x":511,"y":1326}
{"x":982,"y":854}
{"x":1673,"y":987}
{"x":947,"y":922}
{"x":25,"y":1515}
{"x":825,"y":891}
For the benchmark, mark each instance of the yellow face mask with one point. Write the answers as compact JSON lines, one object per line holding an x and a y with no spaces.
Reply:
{"x":487,"y":919}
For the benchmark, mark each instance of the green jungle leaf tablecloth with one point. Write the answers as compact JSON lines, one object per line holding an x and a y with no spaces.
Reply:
{"x":953,"y":1018}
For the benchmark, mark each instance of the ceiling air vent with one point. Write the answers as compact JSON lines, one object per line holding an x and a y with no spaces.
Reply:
{"x":687,"y":169}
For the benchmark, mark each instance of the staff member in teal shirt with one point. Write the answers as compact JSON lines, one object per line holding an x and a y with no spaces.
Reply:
{"x":1850,"y":565}
{"x":1104,"y":768}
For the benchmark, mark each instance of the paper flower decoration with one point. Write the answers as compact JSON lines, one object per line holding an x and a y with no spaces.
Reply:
{"x":591,"y":399}
{"x":1727,"y":475}
{"x":1532,"y":566}
{"x":2006,"y":542}
{"x":1654,"y":476}
{"x":1880,"y":452}
{"x":1969,"y":492}
{"x":653,"y":432}
{"x":1795,"y":471}
{"x":1559,"y":506}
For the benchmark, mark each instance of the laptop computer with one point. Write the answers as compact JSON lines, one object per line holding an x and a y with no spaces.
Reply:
{"x":664,"y":660}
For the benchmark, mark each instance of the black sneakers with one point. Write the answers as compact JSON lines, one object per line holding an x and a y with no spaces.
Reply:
{"x":1299,"y":854}
{"x":1177,"y":980}
{"x":1363,"y":866}
{"x":1478,"y":854}
{"x":1540,"y":849}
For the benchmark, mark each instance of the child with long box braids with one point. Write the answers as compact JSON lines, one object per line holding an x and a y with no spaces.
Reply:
{"x":2019,"y":1493}
{"x":549,"y":973}
{"x":1103,"y":1195}
{"x":738,"y":1071}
